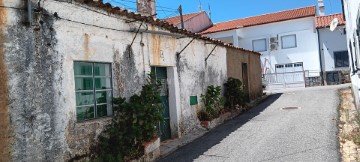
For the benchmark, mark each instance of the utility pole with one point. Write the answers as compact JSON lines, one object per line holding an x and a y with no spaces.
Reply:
{"x":181,"y":17}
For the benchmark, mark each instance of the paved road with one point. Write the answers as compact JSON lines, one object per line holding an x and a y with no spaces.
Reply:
{"x":268,"y":133}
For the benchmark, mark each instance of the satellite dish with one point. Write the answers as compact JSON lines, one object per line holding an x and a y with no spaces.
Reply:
{"x":334,"y":23}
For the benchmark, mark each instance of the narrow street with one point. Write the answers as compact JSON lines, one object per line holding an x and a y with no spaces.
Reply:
{"x":306,"y":131}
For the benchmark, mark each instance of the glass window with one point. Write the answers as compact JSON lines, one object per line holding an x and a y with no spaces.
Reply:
{"x":288,"y":41}
{"x":341,"y":59}
{"x":279,"y":66}
{"x":259,"y":45}
{"x":93,"y":90}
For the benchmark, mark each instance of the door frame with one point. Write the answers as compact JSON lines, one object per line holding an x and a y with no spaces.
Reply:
{"x":174,"y":99}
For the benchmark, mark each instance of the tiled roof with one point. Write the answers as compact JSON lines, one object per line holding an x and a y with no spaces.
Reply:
{"x":157,"y":22}
{"x":325,"y":21}
{"x":263,"y":19}
{"x":176,"y":19}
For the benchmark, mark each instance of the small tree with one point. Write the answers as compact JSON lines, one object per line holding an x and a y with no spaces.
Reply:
{"x":213,"y":102}
{"x":234,"y":93}
{"x":134,"y":122}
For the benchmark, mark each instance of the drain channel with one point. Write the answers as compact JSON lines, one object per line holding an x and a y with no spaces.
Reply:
{"x":290,"y":108}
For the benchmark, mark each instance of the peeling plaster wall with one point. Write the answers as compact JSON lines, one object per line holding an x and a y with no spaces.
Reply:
{"x":235,"y":58}
{"x":39,"y":63}
{"x":5,"y":137}
{"x":195,"y":75}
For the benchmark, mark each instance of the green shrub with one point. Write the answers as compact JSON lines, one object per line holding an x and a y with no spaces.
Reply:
{"x":135,"y":122}
{"x":234,"y":93}
{"x":213,"y":102}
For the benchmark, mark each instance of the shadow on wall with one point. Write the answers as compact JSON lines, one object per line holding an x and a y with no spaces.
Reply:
{"x":196,"y":148}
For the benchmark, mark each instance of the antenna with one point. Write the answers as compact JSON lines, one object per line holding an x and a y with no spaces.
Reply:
{"x":181,"y":17}
{"x":209,"y":12}
{"x":200,"y":7}
{"x":334,"y":23}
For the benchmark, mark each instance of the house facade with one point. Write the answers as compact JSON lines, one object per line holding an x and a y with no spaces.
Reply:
{"x":297,"y":47}
{"x":352,"y":18}
{"x":287,"y":41}
{"x":333,"y":49}
{"x":194,"y":22}
{"x":62,"y":62}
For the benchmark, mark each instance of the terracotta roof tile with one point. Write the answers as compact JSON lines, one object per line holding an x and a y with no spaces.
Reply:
{"x":324,"y":21}
{"x":263,"y":19}
{"x":176,"y":19}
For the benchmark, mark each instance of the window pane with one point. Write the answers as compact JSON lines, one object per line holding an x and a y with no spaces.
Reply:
{"x":104,"y":110}
{"x":82,"y":68}
{"x":259,"y":45}
{"x":103,"y":97}
{"x":84,"y":98}
{"x":341,"y":59}
{"x":83,"y":113}
{"x":84,"y":84}
{"x":289,"y":65}
{"x":288,"y":41}
{"x":102,"y":70}
{"x":346,"y":59}
{"x":103,"y":83}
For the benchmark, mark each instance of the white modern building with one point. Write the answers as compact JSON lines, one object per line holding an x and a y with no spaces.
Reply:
{"x":351,"y":9}
{"x":333,"y":49}
{"x":287,"y":41}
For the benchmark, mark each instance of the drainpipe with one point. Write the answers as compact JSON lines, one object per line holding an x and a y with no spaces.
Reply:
{"x":29,"y":8}
{"x":321,"y":67}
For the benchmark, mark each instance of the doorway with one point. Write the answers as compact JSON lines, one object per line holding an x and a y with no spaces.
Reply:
{"x":161,"y":75}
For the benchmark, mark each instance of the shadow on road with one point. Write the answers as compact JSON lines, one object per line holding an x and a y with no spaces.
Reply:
{"x":196,"y":148}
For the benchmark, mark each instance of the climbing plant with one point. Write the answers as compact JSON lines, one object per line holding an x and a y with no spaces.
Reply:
{"x":135,"y":121}
{"x":234,"y":93}
{"x":213,"y":102}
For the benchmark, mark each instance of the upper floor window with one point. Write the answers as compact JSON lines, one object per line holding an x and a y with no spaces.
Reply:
{"x":288,"y":41}
{"x":341,"y":59}
{"x":259,"y":45}
{"x":93,"y":90}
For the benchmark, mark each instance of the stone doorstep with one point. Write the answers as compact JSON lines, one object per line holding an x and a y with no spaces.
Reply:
{"x":172,"y":145}
{"x":151,"y":151}
{"x":151,"y":145}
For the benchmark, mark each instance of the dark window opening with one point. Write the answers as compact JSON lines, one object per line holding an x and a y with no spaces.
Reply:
{"x":341,"y":59}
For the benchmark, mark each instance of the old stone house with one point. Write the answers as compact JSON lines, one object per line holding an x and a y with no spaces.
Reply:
{"x":62,"y":61}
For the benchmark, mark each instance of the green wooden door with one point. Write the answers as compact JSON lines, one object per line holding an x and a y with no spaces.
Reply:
{"x":161,"y":75}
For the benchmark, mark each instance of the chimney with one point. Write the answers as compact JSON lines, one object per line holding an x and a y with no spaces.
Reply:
{"x":146,"y":7}
{"x":321,"y":7}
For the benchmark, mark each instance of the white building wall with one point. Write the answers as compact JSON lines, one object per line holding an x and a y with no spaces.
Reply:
{"x":351,"y":11}
{"x":307,"y":50}
{"x":330,"y":42}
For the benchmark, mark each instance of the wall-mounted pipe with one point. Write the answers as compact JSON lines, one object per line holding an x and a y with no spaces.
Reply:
{"x":29,"y":9}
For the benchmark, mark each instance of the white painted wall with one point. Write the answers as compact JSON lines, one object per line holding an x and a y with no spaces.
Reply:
{"x":307,"y":42}
{"x":351,"y":11}
{"x":330,"y":42}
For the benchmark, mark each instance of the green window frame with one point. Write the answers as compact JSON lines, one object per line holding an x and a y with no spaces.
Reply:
{"x":93,"y":90}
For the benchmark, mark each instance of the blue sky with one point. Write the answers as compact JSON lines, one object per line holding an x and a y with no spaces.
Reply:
{"x":224,"y":10}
